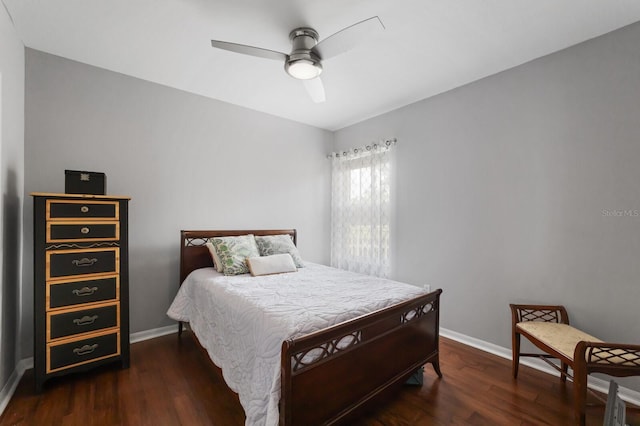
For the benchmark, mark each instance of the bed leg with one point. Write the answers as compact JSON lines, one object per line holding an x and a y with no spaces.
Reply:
{"x":179,"y":329}
{"x":436,"y":367}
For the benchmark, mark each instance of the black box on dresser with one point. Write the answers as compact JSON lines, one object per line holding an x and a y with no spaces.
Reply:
{"x":82,"y":182}
{"x":81,"y":283}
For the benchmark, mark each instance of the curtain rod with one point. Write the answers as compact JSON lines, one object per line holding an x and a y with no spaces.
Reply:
{"x":388,"y":143}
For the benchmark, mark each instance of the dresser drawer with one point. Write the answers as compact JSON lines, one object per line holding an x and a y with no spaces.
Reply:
{"x":69,"y":323}
{"x":69,"y":293}
{"x":74,"y":209}
{"x":93,"y":348}
{"x":62,"y":263}
{"x":58,"y":232}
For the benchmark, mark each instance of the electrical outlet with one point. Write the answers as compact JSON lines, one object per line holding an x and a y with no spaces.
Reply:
{"x":426,"y":287}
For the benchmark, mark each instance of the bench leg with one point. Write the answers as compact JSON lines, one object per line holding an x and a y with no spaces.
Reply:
{"x":565,"y":370}
{"x":579,"y":396}
{"x":515,"y":347}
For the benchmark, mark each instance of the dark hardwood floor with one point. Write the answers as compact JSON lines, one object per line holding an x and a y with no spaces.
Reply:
{"x":172,"y":382}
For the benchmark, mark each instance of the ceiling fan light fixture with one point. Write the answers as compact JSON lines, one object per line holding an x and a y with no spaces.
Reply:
{"x":303,"y":69}
{"x":305,"y":60}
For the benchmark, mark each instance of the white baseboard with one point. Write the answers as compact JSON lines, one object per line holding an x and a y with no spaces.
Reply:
{"x":151,"y":334}
{"x":10,"y":387}
{"x":24,"y":364}
{"x":594,"y":383}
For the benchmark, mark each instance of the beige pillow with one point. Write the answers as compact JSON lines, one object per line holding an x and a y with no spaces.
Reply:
{"x":214,"y":256}
{"x":268,"y":265}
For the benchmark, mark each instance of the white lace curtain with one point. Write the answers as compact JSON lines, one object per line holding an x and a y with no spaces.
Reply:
{"x":361,"y":209}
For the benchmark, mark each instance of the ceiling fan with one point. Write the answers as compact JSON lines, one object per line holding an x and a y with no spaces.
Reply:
{"x":305,"y":60}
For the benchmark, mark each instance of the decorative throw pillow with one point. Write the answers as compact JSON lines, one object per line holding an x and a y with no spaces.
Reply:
{"x":279,"y":244}
{"x":234,"y":251}
{"x":214,"y":256}
{"x":269,"y":265}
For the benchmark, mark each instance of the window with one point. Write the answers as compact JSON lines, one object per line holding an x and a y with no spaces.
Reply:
{"x":361,"y":210}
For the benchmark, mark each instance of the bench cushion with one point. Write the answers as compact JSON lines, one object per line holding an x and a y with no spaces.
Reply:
{"x":561,"y":337}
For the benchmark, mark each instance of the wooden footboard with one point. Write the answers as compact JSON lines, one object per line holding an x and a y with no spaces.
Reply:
{"x":336,"y":373}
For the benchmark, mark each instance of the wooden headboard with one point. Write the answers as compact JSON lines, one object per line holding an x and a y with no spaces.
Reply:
{"x":194,"y":253}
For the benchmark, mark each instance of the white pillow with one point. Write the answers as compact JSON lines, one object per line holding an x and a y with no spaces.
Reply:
{"x":214,"y":256}
{"x":268,"y":265}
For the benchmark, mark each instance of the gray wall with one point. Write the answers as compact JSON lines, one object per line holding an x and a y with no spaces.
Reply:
{"x":11,"y":182}
{"x":508,"y":187}
{"x":188,"y":162}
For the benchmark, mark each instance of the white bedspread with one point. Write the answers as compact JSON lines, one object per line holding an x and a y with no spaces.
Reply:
{"x":242,"y":321}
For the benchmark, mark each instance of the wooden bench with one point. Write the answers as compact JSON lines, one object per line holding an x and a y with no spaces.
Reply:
{"x":547,"y":327}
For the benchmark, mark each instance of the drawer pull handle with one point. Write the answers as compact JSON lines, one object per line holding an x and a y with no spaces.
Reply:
{"x":84,"y":209}
{"x":85,"y":350}
{"x":85,"y":261}
{"x":84,"y":230}
{"x":85,"y":291}
{"x":85,"y":320}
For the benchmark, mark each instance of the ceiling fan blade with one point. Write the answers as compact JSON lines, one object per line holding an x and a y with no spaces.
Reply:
{"x":249,"y":50}
{"x":315,"y":88}
{"x":348,"y":38}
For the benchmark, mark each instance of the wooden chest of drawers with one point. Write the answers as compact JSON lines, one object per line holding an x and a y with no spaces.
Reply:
{"x":81,"y":275}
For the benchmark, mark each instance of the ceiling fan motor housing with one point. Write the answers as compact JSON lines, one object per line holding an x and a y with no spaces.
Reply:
{"x":303,"y":63}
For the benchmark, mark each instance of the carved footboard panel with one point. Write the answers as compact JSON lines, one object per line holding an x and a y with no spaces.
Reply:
{"x":333,"y":374}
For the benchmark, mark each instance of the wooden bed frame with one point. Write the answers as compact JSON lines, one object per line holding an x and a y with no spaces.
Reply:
{"x":363,"y":361}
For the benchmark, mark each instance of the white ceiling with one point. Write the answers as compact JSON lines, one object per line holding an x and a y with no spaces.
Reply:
{"x":428,"y":47}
